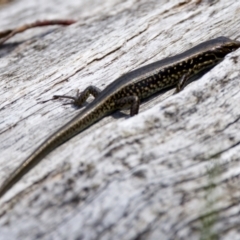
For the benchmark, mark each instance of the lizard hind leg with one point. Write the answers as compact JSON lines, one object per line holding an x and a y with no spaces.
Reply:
{"x":82,"y":97}
{"x":184,"y":80}
{"x":129,"y":101}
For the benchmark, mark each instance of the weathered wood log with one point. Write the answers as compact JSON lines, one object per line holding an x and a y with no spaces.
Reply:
{"x":171,"y":172}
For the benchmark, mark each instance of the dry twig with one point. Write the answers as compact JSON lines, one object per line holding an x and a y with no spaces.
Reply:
{"x":6,"y":34}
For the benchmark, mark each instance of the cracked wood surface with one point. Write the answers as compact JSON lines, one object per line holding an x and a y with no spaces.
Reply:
{"x":171,"y":172}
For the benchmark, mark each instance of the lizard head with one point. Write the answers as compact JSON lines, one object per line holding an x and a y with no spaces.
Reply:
{"x":229,"y":45}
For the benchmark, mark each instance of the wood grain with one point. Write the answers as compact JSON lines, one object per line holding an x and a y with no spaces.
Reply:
{"x":171,"y":172}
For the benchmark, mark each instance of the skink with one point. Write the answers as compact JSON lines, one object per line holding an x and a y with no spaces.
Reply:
{"x":127,"y":92}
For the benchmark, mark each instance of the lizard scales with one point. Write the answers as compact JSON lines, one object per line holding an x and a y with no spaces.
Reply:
{"x":127,"y":92}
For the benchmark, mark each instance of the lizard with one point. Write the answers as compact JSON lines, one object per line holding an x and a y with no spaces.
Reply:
{"x":128,"y":91}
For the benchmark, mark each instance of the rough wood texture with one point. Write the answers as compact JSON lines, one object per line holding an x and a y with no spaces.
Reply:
{"x":171,"y":172}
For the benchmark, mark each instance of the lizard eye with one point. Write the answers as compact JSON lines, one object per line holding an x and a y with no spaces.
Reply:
{"x":232,"y":48}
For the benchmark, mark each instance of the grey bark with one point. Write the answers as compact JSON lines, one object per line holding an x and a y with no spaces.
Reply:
{"x":171,"y":172}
